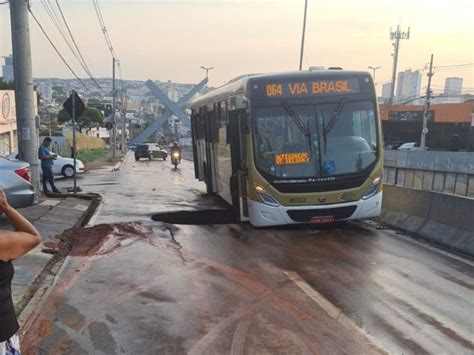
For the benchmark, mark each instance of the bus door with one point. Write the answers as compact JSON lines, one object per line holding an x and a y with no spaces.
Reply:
{"x":237,"y":133}
{"x":211,"y":133}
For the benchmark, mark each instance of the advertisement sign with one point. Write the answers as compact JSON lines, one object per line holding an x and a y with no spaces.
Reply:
{"x":409,"y":115}
{"x":7,"y":101}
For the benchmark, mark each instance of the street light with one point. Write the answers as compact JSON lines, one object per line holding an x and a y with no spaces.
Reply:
{"x":373,"y":71}
{"x":302,"y":36}
{"x":207,"y":69}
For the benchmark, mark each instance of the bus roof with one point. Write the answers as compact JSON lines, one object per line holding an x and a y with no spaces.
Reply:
{"x":240,"y":84}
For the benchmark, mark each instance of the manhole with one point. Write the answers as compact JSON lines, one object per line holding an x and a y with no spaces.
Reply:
{"x":200,"y":217}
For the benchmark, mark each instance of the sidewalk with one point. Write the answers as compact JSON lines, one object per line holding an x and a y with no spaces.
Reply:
{"x":51,"y":217}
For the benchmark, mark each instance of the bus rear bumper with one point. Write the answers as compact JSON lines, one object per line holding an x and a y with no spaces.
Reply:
{"x":262,"y":215}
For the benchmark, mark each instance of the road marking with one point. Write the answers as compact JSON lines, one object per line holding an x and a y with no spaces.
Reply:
{"x":331,"y":309}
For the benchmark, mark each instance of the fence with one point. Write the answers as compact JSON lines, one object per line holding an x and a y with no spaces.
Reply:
{"x":447,"y":172}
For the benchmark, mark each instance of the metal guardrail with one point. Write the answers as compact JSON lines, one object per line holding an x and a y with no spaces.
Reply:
{"x":447,"y":172}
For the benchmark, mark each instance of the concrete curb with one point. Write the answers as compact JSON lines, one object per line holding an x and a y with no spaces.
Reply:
{"x":443,"y":219}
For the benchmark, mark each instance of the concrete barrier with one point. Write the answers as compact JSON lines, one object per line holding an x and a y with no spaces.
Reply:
{"x":447,"y":220}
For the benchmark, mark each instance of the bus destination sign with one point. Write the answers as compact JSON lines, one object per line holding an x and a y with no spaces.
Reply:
{"x":306,"y":88}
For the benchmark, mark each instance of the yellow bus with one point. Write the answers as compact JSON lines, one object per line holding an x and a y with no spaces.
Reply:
{"x":292,"y":148}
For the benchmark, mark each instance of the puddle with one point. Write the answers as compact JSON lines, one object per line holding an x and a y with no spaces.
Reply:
{"x":201,"y":217}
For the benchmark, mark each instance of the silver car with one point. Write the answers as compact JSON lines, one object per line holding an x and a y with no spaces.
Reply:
{"x":15,"y":180}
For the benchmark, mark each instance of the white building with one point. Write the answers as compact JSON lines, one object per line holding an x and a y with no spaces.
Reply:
{"x":99,"y":132}
{"x":46,"y":91}
{"x":408,"y":85}
{"x":453,"y":86}
{"x":7,"y":68}
{"x":386,"y":91}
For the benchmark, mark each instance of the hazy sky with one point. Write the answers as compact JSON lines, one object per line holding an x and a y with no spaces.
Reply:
{"x":172,"y":39}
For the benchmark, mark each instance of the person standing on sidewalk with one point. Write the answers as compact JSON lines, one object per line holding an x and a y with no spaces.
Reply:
{"x":47,"y":162}
{"x":12,"y":245}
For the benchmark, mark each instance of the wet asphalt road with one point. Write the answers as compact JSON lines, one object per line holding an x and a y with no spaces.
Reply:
{"x":132,"y":285}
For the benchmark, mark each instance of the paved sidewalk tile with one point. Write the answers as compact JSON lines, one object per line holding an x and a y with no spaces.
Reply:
{"x":51,"y":217}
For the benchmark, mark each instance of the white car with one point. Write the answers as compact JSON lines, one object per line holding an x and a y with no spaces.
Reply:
{"x":62,"y":166}
{"x":411,"y":146}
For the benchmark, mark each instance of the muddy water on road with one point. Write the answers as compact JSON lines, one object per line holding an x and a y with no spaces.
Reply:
{"x":145,"y":292}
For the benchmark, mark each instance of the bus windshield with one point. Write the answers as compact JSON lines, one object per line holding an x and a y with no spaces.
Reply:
{"x":329,"y":144}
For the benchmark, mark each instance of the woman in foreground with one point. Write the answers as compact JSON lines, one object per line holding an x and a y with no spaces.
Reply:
{"x":12,"y":245}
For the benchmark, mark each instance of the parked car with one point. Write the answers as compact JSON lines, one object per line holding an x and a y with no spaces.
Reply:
{"x":150,"y":151}
{"x":15,"y":180}
{"x":62,"y":166}
{"x":411,"y":146}
{"x":157,"y":152}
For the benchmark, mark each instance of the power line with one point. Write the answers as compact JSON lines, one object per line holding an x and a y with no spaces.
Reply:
{"x":75,"y":51}
{"x":57,"y":51}
{"x":103,"y":27}
{"x":88,"y":71}
{"x":455,"y":65}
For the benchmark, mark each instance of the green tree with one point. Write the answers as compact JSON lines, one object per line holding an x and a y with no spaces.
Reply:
{"x":6,"y":85}
{"x":89,"y":119}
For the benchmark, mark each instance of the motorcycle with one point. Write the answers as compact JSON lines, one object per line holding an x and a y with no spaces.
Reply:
{"x":175,"y":158}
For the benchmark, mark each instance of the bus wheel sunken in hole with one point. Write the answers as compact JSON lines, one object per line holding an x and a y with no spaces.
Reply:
{"x":202,"y":217}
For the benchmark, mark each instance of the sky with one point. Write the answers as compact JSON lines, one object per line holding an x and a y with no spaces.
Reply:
{"x":171,"y":40}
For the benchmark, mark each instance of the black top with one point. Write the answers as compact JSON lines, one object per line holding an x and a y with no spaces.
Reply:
{"x":8,"y":323}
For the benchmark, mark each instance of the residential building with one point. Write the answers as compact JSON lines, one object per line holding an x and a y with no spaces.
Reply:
{"x":385,"y":92}
{"x":453,"y":86}
{"x":7,"y":68}
{"x":46,"y":91}
{"x":408,"y":85}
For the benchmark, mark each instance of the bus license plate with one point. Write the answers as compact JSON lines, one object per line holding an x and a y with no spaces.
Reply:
{"x":322,"y":219}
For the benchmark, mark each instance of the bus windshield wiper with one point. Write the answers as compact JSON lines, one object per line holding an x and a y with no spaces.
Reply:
{"x":296,"y":119}
{"x":335,"y":115}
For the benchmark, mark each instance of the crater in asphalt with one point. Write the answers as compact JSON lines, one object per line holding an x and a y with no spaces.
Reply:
{"x":201,"y":217}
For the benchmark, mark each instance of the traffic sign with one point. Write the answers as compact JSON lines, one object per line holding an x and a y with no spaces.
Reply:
{"x":425,"y":131}
{"x":80,"y":106}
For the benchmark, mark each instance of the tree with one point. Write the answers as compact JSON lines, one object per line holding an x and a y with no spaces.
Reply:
{"x":6,"y":85}
{"x":89,"y":119}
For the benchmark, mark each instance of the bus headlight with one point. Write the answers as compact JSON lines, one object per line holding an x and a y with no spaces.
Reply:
{"x":266,"y":197}
{"x":372,"y":190}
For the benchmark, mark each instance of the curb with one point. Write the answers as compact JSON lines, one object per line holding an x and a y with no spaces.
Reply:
{"x":58,"y":258}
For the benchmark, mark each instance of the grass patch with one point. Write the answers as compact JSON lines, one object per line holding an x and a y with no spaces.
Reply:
{"x":92,"y":154}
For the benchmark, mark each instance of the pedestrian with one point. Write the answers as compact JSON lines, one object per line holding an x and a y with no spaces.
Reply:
{"x":12,"y":245}
{"x":47,"y":161}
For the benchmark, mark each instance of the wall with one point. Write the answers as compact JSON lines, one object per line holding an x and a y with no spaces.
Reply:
{"x":440,"y":218}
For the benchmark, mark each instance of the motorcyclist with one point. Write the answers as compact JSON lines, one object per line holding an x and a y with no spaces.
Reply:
{"x":175,"y":148}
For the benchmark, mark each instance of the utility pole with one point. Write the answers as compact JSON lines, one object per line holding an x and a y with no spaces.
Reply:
{"x":124,"y":124}
{"x":303,"y":35}
{"x":373,"y":71}
{"x":396,"y":36}
{"x":426,"y":108}
{"x":24,"y":92}
{"x":114,"y":127}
